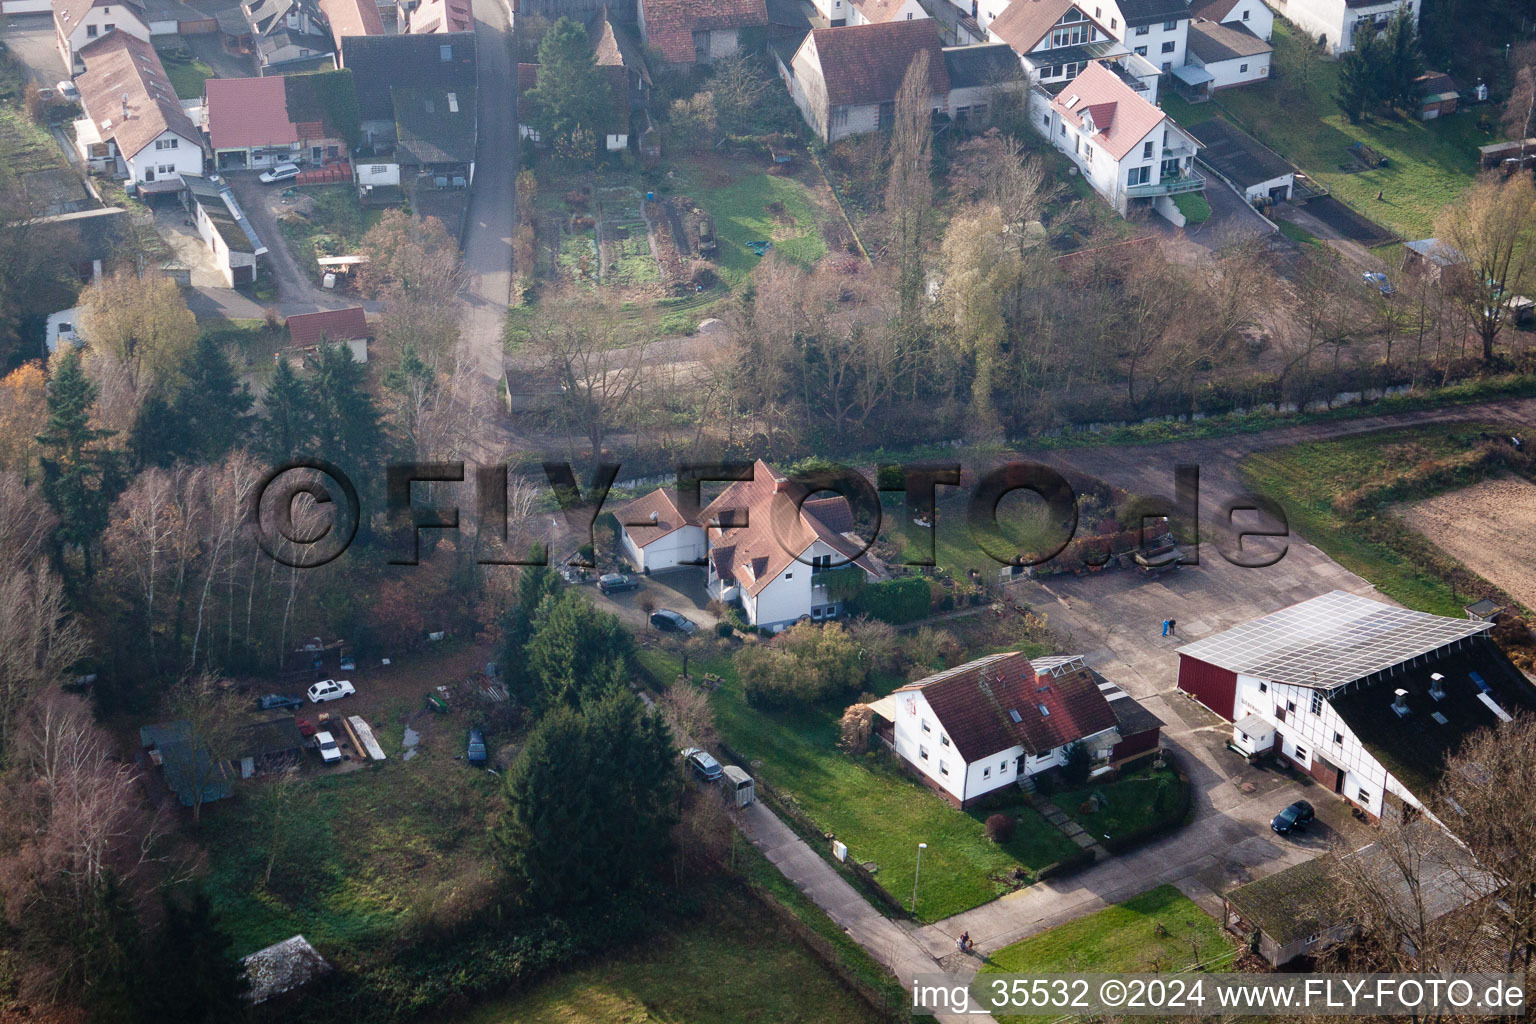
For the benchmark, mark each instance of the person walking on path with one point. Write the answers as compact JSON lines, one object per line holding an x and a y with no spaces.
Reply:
{"x":1172,"y":625}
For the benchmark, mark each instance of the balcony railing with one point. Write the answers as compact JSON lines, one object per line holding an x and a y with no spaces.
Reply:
{"x":1190,"y":181}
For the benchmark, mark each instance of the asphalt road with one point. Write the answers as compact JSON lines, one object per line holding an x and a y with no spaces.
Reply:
{"x":488,"y":237}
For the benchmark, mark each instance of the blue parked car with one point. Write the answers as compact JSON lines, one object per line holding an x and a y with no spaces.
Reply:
{"x":279,"y":702}
{"x":474,"y":750}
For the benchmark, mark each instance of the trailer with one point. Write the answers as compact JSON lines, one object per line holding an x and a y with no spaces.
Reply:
{"x":362,"y":738}
{"x":737,"y":786}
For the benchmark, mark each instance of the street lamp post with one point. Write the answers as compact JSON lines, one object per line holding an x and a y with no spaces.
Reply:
{"x":917,"y":874}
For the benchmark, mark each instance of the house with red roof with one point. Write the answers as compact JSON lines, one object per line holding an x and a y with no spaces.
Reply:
{"x":762,"y":541}
{"x":134,"y":128}
{"x":1132,"y":153}
{"x":347,"y":326}
{"x":998,"y":720}
{"x":688,"y":32}
{"x":263,"y":122}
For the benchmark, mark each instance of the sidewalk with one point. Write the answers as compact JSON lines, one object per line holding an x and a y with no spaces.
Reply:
{"x":885,"y":940}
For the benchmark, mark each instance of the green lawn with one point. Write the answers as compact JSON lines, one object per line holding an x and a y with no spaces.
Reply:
{"x":741,"y":215}
{"x":1306,"y":478}
{"x":737,"y":963}
{"x":1430,"y":163}
{"x":1160,"y":930}
{"x":878,"y":810}
{"x":355,"y":837}
{"x":186,"y":72}
{"x":1130,"y":802}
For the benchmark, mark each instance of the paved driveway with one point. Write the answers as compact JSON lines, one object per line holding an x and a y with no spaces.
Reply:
{"x":30,"y":39}
{"x":1232,"y":220}
{"x":295,"y":287}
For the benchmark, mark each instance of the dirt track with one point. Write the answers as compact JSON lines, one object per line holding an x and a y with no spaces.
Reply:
{"x":1490,"y":528}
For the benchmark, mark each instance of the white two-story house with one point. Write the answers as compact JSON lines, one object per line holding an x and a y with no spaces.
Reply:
{"x":761,"y":552}
{"x":1154,"y":29}
{"x":1336,"y":23}
{"x":1131,"y":152}
{"x":134,"y":127}
{"x":995,"y":721}
{"x":1366,"y":697}
{"x":78,"y":23}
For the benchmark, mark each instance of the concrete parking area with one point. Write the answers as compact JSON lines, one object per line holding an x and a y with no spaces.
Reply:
{"x":30,"y":39}
{"x":174,"y":225}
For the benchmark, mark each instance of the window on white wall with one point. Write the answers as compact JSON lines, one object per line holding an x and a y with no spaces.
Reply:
{"x":922,"y":752}
{"x":1365,"y":796}
{"x":1338,"y":737}
{"x":925,"y":726}
{"x":943,"y":768}
{"x":943,"y":740}
{"x":1242,"y":69}
{"x":1169,"y":46}
{"x":1142,"y":30}
{"x":986,"y":773}
{"x":1263,"y":687}
{"x":1317,"y":702}
{"x":1002,"y":769}
{"x":1245,"y":15}
{"x":1171,"y":26}
{"x":1290,"y":707}
{"x":1301,"y":753}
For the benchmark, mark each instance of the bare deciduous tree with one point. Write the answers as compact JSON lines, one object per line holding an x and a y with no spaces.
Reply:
{"x":599,"y":380}
{"x":1493,"y":227}
{"x":909,"y":188}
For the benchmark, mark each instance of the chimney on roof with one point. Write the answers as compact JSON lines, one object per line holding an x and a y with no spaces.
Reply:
{"x":1437,"y":686}
{"x":1400,"y":705}
{"x":781,"y":486}
{"x":125,"y":106}
{"x":655,"y":518}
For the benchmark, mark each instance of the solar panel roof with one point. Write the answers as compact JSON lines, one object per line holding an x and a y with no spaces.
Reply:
{"x":1330,"y":640}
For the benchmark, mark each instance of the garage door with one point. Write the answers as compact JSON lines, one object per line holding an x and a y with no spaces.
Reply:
{"x":25,"y":6}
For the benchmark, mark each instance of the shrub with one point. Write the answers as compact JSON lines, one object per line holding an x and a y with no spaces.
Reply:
{"x":723,"y":629}
{"x":1000,"y":827}
{"x":1077,"y":765}
{"x":894,"y":601}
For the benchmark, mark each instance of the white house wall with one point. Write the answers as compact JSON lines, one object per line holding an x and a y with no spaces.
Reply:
{"x":1237,"y":71}
{"x":1334,"y":21}
{"x":186,"y":158}
{"x":1314,"y":734}
{"x":682,"y":546}
{"x":1155,"y":39}
{"x":912,"y":741}
{"x":1254,"y":16}
{"x":910,"y":10}
{"x":120,"y":16}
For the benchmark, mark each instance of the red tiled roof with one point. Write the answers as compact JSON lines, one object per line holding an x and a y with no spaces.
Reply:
{"x":670,"y":24}
{"x":878,"y":11}
{"x":1213,"y":10}
{"x":246,"y":112}
{"x":305,"y":329}
{"x":976,"y":703}
{"x":442,"y":16}
{"x":527,"y":77}
{"x":1100,"y":92}
{"x":864,"y":64}
{"x":636,"y":520}
{"x":1024,"y":23}
{"x":120,"y":64}
{"x":774,"y":537}
{"x":352,"y":18}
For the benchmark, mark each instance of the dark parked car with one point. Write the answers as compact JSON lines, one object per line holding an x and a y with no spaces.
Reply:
{"x":279,"y":701}
{"x":474,"y":750}
{"x":1294,"y":818}
{"x":669,"y":621}
{"x":615,"y":581}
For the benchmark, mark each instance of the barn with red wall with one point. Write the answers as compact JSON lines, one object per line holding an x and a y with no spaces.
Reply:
{"x":1214,"y":687}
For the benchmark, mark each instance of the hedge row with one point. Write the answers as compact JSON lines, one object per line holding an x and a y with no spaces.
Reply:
{"x":895,"y":601}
